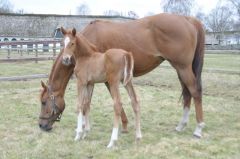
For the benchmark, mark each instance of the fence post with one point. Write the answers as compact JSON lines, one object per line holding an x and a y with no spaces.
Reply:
{"x":21,"y":50}
{"x":36,"y":53}
{"x":8,"y":52}
{"x":54,"y":50}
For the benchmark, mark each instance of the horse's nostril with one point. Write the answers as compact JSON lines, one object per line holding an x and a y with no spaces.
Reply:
{"x":40,"y":125}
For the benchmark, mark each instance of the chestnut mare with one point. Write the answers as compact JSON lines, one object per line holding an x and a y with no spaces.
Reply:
{"x":113,"y":66}
{"x":178,"y":39}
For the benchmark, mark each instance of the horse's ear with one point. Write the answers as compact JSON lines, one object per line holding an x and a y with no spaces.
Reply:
{"x":63,"y":31}
{"x":74,"y":31}
{"x":43,"y":85}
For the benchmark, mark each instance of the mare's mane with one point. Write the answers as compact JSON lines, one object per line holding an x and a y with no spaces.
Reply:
{"x":55,"y":65}
{"x":51,"y":73}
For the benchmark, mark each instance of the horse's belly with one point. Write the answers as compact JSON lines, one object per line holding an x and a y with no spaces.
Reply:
{"x":143,"y":65}
{"x":98,"y":78}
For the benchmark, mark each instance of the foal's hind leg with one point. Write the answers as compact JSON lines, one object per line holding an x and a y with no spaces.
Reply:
{"x":188,"y":78}
{"x":114,"y":89}
{"x":123,"y":115}
{"x":136,"y":109}
{"x":186,"y":106}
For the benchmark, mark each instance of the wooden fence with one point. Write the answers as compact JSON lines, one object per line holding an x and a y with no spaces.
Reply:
{"x":35,"y":48}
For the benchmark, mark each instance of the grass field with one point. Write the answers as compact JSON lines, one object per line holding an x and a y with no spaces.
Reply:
{"x":159,"y":93}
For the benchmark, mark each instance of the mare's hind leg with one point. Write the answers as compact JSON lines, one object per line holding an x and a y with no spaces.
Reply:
{"x":188,"y":78}
{"x":123,"y":115}
{"x":136,"y":108}
{"x":186,"y":107}
{"x":114,"y":90}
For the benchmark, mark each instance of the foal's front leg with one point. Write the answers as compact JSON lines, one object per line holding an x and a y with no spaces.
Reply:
{"x":82,"y":100}
{"x":86,"y":125}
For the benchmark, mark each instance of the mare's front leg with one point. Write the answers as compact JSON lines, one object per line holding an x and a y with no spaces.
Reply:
{"x":81,"y":106}
{"x":114,"y":90}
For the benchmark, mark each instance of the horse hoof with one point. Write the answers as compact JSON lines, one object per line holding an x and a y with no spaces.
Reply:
{"x":181,"y":127}
{"x":111,"y":144}
{"x":197,"y":135}
{"x":76,"y":138}
{"x":198,"y":131}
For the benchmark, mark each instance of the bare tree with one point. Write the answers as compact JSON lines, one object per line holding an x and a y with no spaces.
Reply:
{"x":182,"y":7}
{"x":83,"y":9}
{"x":236,"y":4}
{"x":111,"y":13}
{"x":219,"y":20}
{"x":6,"y":6}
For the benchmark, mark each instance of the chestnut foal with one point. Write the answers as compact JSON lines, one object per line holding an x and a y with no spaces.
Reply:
{"x":113,"y":66}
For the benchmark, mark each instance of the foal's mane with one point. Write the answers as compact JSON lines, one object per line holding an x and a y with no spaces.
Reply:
{"x":85,"y":45}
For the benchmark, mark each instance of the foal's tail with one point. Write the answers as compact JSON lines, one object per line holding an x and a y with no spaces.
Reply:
{"x":128,"y":68}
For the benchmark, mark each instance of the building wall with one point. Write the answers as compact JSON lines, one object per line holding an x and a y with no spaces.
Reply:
{"x":41,"y":26}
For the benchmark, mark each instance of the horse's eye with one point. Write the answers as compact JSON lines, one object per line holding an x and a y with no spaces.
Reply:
{"x":43,"y":103}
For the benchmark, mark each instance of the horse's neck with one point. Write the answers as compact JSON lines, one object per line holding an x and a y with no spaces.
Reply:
{"x":59,"y":77}
{"x":84,"y":48}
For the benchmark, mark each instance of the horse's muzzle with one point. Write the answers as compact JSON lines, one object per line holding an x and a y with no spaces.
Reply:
{"x":45,"y":127}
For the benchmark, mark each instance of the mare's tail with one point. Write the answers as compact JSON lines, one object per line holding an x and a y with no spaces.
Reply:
{"x":197,"y":63}
{"x":199,"y":55}
{"x":128,"y":68}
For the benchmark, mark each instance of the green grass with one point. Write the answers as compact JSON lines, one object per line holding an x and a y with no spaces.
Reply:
{"x":25,"y":68}
{"x":223,"y":61}
{"x":161,"y":110}
{"x":228,"y":62}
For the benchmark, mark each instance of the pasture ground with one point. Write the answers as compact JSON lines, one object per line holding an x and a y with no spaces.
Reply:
{"x":159,"y":93}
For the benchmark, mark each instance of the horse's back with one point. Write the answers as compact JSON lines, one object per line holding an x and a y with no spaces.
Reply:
{"x":168,"y":36}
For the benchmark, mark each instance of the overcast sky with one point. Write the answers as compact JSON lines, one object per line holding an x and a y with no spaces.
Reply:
{"x":97,"y":7}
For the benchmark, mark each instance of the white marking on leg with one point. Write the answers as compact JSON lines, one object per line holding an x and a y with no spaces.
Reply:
{"x":114,"y":137}
{"x":138,"y":133}
{"x":198,"y":130}
{"x":79,"y":129}
{"x":131,"y":69}
{"x":182,"y":124}
{"x":66,"y":41}
{"x":125,"y":71}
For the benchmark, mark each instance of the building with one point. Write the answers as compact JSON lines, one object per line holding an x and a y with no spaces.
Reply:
{"x":44,"y":26}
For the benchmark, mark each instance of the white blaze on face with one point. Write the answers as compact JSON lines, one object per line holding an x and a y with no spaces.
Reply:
{"x":66,"y":41}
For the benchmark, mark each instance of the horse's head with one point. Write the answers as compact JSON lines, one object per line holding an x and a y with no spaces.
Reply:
{"x":69,"y":45}
{"x":52,"y":106}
